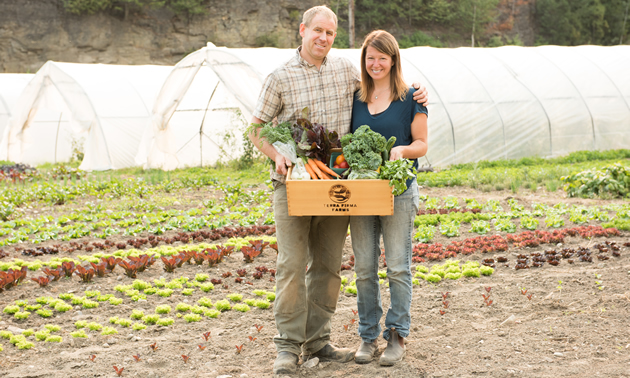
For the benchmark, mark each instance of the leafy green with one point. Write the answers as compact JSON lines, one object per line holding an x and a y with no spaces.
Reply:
{"x":362,"y":149}
{"x":397,"y":172}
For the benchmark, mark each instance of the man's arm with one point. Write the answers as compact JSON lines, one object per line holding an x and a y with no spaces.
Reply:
{"x":281,"y":162}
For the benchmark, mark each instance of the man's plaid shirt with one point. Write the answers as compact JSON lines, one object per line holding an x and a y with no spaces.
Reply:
{"x":328,"y":92}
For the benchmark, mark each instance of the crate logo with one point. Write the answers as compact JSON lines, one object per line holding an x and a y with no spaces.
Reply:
{"x":339,"y":193}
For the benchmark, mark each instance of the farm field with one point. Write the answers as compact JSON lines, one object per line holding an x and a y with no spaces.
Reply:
{"x":558,"y":305}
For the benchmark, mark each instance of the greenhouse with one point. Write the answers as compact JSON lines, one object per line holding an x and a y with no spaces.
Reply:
{"x":11,"y":85}
{"x":485,"y":103}
{"x":95,"y":109}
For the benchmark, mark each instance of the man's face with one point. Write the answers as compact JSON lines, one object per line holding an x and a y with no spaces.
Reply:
{"x":317,"y":39}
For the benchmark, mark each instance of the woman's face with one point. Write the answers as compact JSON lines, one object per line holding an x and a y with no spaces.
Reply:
{"x":378,"y":64}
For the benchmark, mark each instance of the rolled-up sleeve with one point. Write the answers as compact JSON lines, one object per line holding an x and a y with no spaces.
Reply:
{"x":269,"y":102}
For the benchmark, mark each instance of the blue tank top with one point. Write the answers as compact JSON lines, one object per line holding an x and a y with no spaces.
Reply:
{"x":394,"y":121}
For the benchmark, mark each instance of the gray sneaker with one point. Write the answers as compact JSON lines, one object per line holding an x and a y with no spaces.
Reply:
{"x":286,"y":363}
{"x":395,"y":350}
{"x":366,"y":352}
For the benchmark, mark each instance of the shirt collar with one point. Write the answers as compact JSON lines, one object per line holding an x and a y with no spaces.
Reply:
{"x":303,"y":62}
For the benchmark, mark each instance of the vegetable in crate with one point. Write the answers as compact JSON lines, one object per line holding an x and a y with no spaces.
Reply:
{"x":363,"y":149}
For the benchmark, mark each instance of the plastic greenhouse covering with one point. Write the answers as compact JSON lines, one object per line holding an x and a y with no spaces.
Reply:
{"x":100,"y":109}
{"x":11,"y":85}
{"x":485,"y":103}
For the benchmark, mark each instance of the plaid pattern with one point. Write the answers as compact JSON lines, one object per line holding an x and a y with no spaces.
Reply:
{"x":328,"y":93}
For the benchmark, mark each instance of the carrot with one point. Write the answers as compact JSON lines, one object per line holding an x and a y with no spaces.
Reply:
{"x":316,"y":169}
{"x":310,"y":172}
{"x":324,"y":168}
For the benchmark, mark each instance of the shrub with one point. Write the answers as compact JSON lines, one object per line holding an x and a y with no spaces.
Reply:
{"x":249,"y":302}
{"x":165,"y":293}
{"x":222,"y":305}
{"x":34,"y":307}
{"x":182,"y":307}
{"x":21,"y":315}
{"x":124,"y":322}
{"x":197,"y":309}
{"x":42,"y":335}
{"x":25,"y":345}
{"x":109,"y":331}
{"x":471,"y":272}
{"x":206,"y":287}
{"x":52,"y":327}
{"x":165,"y":322}
{"x":93,"y":326}
{"x":190,"y":318}
{"x":44,"y":313}
{"x":163,"y":309}
{"x":453,"y":276}
{"x":11,"y":309}
{"x":235,"y":297}
{"x":80,"y":324}
{"x":151,"y":319}
{"x":201,"y":277}
{"x":242,"y":307}
{"x":205,"y":301}
{"x":6,"y":334}
{"x":53,"y":339}
{"x":422,"y":269}
{"x":43,"y":300}
{"x":62,"y":307}
{"x":80,"y":333}
{"x":138,"y":327}
{"x":89,"y":304}
{"x":212,"y":313}
{"x":115,"y":301}
{"x":262,"y":304}
{"x":140,"y":285}
{"x":425,"y":234}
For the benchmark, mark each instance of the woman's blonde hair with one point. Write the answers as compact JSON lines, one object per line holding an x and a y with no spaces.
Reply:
{"x":384,"y":43}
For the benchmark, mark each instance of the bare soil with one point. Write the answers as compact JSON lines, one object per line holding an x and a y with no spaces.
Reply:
{"x":569,"y":328}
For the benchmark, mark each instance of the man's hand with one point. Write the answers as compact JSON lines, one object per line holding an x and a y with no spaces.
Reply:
{"x":421,"y":95}
{"x":281,"y":164}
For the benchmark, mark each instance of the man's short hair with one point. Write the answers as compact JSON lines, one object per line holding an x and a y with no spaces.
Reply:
{"x":310,"y":14}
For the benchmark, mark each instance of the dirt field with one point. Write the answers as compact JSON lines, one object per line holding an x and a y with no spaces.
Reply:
{"x":572,"y":326}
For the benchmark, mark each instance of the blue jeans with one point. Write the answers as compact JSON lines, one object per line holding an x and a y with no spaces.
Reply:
{"x":397,"y":232}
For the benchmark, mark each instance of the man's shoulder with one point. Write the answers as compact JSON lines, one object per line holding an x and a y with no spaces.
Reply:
{"x":286,"y":67}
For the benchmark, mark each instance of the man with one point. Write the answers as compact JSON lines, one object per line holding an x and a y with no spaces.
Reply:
{"x":306,"y":300}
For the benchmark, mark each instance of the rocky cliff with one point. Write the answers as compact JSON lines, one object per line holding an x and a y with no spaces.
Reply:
{"x":35,"y":31}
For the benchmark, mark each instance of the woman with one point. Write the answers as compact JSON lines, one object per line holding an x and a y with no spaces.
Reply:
{"x":385,"y":103}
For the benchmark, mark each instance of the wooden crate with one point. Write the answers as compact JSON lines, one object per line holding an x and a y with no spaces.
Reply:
{"x":339,"y":197}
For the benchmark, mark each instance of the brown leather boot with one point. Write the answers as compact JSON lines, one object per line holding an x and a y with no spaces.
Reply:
{"x":286,"y":363}
{"x":395,"y":350}
{"x":366,"y":352}
{"x":332,"y":353}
